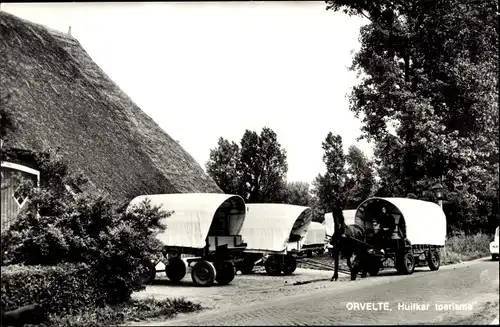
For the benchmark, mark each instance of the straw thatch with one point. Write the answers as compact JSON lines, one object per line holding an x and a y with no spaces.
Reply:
{"x":61,"y":99}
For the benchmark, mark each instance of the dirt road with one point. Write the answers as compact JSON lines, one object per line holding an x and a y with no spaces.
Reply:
{"x":471,"y":289}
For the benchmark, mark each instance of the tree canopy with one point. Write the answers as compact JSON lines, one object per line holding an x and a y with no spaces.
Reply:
{"x":329,"y":187}
{"x":428,"y":100}
{"x":255,"y":170}
{"x":298,"y":193}
{"x":360,"y":179}
{"x":223,"y":166}
{"x":349,"y":178}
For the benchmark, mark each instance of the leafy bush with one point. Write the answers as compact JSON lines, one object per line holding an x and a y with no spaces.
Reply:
{"x":60,"y":226}
{"x":64,"y":288}
{"x":466,"y":247}
{"x":135,"y":310}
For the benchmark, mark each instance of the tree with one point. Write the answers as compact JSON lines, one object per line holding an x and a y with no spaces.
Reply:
{"x":360,"y":179}
{"x":428,"y":98}
{"x":263,"y":166}
{"x":298,"y":193}
{"x":318,"y":211}
{"x":388,"y":163}
{"x":222,"y":166}
{"x":256,"y":170}
{"x":329,"y":188}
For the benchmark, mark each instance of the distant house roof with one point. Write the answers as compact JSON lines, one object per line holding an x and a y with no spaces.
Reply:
{"x":61,"y":98}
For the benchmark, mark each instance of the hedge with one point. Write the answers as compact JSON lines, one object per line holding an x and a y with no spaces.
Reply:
{"x":65,"y":288}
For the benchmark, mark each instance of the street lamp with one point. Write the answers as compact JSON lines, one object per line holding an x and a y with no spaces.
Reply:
{"x":438,"y":190}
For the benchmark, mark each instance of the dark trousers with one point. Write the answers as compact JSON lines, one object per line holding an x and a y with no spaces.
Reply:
{"x":379,"y":240}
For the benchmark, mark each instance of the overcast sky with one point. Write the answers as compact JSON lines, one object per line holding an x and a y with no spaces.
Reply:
{"x":205,"y":70}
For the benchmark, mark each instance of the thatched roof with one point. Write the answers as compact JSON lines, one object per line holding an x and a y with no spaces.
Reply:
{"x":61,"y":98}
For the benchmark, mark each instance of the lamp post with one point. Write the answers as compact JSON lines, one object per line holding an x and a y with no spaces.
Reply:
{"x":438,"y":190}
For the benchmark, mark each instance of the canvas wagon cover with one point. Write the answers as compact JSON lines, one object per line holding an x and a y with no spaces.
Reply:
{"x":267,"y":226}
{"x":316,"y":234}
{"x":193,"y":213}
{"x":329,"y":224}
{"x":349,"y":216}
{"x":425,"y":222}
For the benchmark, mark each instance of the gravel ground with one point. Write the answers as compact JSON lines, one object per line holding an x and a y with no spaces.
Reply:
{"x":244,"y":289}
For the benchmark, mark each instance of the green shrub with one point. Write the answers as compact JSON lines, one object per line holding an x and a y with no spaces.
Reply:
{"x":469,"y":243}
{"x":466,"y":247}
{"x":64,"y":288}
{"x":83,"y":228}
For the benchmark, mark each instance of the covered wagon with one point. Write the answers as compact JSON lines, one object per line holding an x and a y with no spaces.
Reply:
{"x":349,"y":216}
{"x":329,"y":225}
{"x":315,"y":240}
{"x":274,"y":234}
{"x":204,"y":225}
{"x":412,"y":230}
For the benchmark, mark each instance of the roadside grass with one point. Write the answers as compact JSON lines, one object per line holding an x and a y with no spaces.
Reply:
{"x":131,"y":311}
{"x":465,"y":247}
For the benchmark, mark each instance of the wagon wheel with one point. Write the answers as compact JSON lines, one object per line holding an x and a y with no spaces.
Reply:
{"x":176,"y":270}
{"x":203,"y":273}
{"x":273,"y":266}
{"x":434,"y":260}
{"x":405,"y":264}
{"x":289,"y":265}
{"x":149,"y":273}
{"x":225,"y":272}
{"x":247,"y":265}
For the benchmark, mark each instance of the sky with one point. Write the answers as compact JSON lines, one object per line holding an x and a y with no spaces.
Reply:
{"x":207,"y":70}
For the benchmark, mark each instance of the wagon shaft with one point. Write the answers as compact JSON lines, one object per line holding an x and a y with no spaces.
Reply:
{"x":323,"y":266}
{"x":358,"y":243}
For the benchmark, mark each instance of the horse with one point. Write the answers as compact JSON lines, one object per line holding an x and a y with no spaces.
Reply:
{"x":344,"y":242}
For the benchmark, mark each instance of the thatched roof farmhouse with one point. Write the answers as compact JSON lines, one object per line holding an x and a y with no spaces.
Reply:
{"x":62,"y":99}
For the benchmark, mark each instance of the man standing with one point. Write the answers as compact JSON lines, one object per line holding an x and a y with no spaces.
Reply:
{"x":386,"y":226}
{"x":378,"y":239}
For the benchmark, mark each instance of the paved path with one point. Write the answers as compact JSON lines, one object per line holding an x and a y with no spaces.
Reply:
{"x":473,"y":285}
